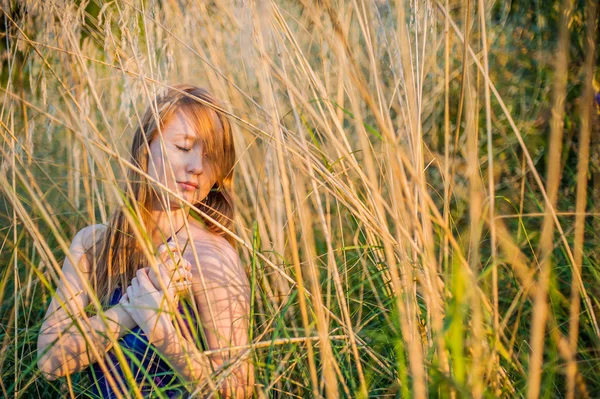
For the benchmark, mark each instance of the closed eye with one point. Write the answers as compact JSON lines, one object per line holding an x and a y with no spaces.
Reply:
{"x":183,"y":148}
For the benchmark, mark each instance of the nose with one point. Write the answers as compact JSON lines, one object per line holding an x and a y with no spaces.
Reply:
{"x":195,"y":164}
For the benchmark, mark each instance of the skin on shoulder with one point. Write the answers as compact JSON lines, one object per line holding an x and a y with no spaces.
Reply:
{"x":207,"y":244}
{"x":220,"y":287}
{"x":80,"y":244}
{"x":84,"y":239}
{"x":217,"y":261}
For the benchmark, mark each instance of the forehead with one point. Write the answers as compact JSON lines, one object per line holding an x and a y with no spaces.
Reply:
{"x":194,"y":122}
{"x":179,"y":124}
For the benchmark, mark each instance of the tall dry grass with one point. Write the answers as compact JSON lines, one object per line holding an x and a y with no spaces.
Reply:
{"x":416,"y":182}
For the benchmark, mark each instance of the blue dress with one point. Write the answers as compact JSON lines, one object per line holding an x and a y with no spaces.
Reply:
{"x":153,"y":375}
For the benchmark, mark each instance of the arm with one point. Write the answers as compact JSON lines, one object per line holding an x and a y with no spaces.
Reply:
{"x":222,"y":294}
{"x":63,"y":348}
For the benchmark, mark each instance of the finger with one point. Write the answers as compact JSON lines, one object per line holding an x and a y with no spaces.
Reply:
{"x":178,"y":281}
{"x":141,"y":272}
{"x":172,"y":246}
{"x":144,"y":280}
{"x":134,"y":290}
{"x":163,"y":278}
{"x":166,"y":251}
{"x":177,"y":261}
{"x":176,"y":274}
{"x":129,"y":292}
{"x":181,"y":274}
{"x":168,"y":282}
{"x":124,"y":298}
{"x":182,"y":287}
{"x":186,"y":264}
{"x":163,"y":252}
{"x":142,"y":277}
{"x":182,"y":284}
{"x":159,"y":276}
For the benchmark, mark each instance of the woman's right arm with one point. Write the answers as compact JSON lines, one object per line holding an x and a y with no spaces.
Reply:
{"x":63,"y":347}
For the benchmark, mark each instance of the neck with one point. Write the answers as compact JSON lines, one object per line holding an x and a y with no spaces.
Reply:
{"x":166,"y":223}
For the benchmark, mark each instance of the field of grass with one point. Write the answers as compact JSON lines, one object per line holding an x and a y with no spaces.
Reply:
{"x":417,"y":183}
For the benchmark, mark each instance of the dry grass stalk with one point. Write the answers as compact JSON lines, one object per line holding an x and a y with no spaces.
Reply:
{"x":587,"y":106}
{"x":546,"y":246}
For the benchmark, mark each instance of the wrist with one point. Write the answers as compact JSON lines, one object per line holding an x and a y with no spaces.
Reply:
{"x":124,"y":317}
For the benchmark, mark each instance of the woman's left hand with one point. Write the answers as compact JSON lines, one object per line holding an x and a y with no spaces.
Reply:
{"x":145,"y":303}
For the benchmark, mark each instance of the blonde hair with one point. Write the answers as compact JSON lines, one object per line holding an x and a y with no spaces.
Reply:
{"x":117,"y":255}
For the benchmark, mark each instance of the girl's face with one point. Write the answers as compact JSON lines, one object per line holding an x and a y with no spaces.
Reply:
{"x":179,"y":161}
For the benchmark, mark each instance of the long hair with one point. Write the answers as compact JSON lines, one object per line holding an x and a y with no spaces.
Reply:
{"x":117,"y":254}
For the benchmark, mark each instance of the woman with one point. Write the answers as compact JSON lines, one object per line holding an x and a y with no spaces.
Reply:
{"x":152,"y":304}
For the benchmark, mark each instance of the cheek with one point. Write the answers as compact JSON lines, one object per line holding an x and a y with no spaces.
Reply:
{"x":209,"y":177}
{"x":162,"y":164}
{"x":207,"y":181}
{"x":166,"y":171}
{"x":155,"y":164}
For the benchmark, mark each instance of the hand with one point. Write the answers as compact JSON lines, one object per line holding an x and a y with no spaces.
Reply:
{"x":173,"y":272}
{"x":176,"y":283}
{"x":145,"y":303}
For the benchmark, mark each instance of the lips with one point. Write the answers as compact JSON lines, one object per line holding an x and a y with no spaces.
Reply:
{"x":188,"y":185}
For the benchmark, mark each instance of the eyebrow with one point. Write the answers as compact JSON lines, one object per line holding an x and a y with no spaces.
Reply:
{"x":186,"y":136}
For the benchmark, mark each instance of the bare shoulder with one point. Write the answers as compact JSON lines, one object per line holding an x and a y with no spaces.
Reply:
{"x":215,"y":258}
{"x":89,"y":234}
{"x":76,"y":268}
{"x":83,"y":241}
{"x":208,"y":245}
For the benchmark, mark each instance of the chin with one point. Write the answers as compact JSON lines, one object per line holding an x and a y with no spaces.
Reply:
{"x":175,"y":201}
